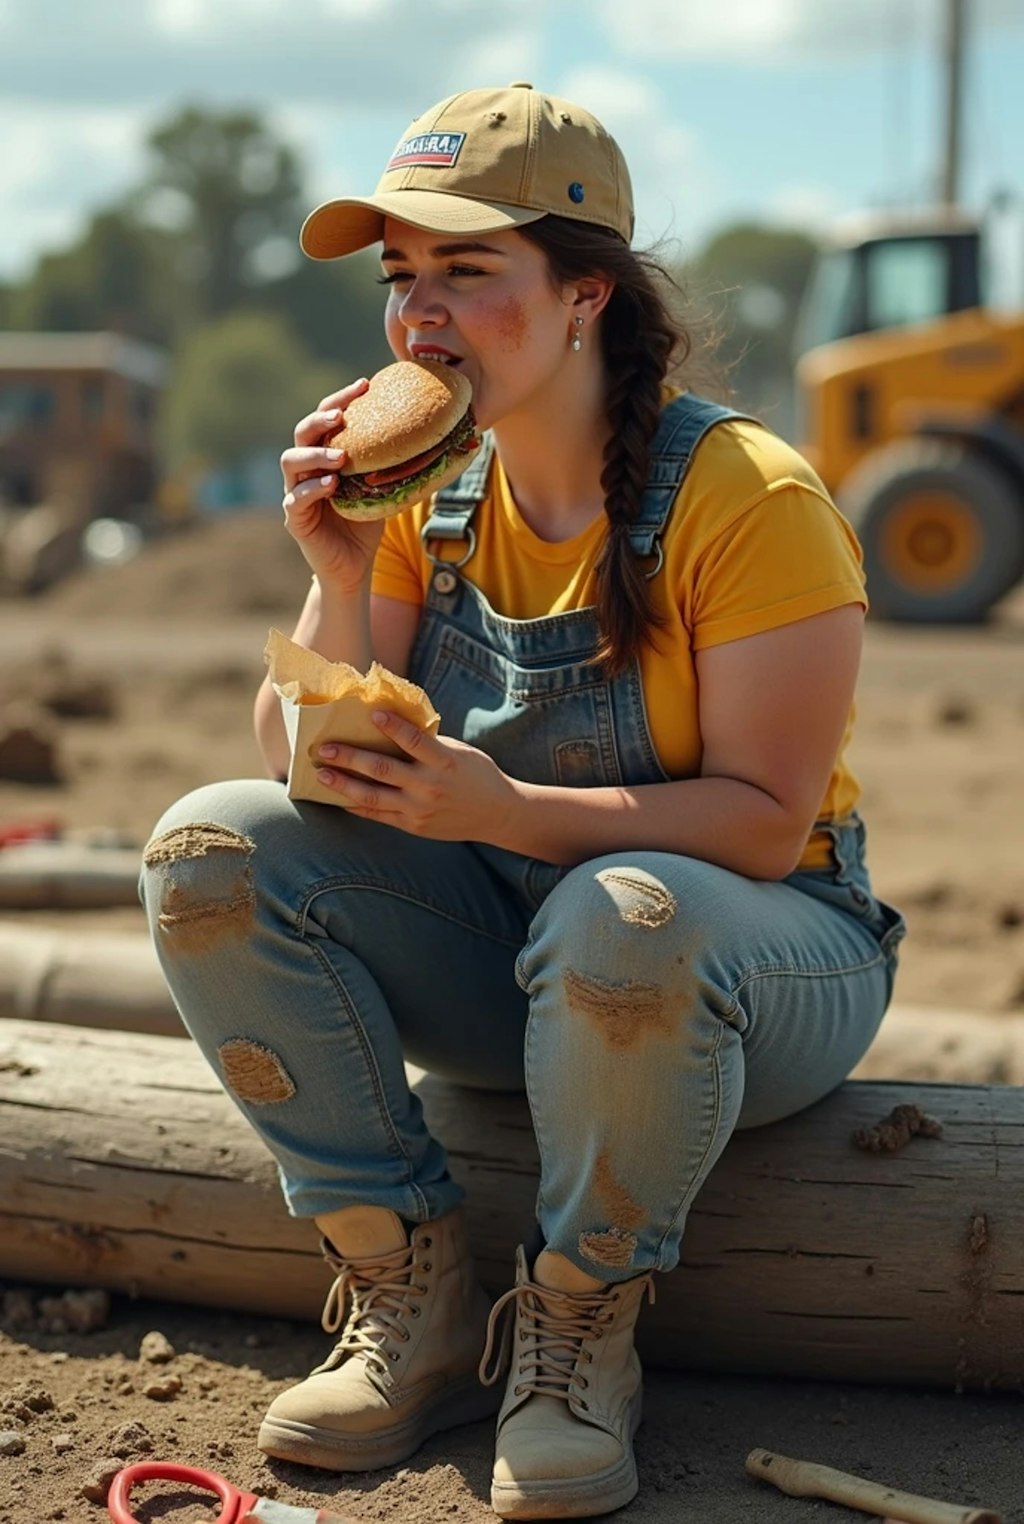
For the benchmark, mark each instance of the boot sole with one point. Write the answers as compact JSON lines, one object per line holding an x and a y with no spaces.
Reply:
{"x":310,"y":1445}
{"x":572,"y":1497}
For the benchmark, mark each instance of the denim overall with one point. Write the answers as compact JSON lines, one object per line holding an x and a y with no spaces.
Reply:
{"x":651,"y":1003}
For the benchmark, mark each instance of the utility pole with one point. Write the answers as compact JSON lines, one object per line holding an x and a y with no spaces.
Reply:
{"x":954,"y":59}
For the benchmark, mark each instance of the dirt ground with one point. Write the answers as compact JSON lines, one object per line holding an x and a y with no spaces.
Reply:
{"x":137,"y":685}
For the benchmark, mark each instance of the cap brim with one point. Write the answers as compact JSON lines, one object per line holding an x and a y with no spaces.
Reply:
{"x":342,"y":227}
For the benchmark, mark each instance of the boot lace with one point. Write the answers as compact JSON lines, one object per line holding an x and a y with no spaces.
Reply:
{"x":554,"y":1328}
{"x":379,"y":1295}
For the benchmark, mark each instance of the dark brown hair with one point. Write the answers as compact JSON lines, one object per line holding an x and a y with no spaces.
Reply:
{"x":641,"y":341}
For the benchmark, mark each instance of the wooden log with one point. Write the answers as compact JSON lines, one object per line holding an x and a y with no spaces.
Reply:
{"x":66,"y":875}
{"x":48,"y":975}
{"x":92,"y":979}
{"x":921,"y":1043}
{"x":123,"y":1164}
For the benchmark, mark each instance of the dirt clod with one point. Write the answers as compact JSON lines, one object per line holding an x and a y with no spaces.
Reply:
{"x":896,"y":1130}
{"x":29,"y":746}
{"x":11,"y":1442}
{"x":74,"y":1312}
{"x":131,"y":1438}
{"x":25,"y":1401}
{"x":156,"y":1348}
{"x":97,"y":1484}
{"x":17,"y":1310}
{"x":164,"y":1390}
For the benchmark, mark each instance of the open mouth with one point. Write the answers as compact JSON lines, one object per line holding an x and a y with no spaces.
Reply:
{"x":441,"y":356}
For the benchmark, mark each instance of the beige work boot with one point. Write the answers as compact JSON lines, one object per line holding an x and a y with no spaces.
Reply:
{"x":405,"y":1365}
{"x":572,"y":1402}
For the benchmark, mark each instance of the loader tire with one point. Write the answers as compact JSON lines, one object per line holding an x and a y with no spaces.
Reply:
{"x":942,"y":529}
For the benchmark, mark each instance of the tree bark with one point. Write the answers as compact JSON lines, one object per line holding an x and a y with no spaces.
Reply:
{"x":123,"y":1164}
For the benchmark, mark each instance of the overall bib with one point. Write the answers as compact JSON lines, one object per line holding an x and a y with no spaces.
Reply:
{"x":651,"y":1003}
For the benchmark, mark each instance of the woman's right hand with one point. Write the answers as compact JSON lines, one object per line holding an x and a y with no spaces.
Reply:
{"x":339,"y":551}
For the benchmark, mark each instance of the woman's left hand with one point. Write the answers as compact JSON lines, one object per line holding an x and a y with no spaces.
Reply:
{"x":440,"y":788}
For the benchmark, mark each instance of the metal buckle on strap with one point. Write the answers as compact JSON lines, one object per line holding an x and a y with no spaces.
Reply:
{"x":443,"y":576}
{"x":659,"y":562}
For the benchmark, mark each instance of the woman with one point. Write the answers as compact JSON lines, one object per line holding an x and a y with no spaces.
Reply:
{"x":629,"y":873}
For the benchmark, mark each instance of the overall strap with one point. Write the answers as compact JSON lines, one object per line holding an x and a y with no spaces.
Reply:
{"x":455,"y":505}
{"x":684,"y":422}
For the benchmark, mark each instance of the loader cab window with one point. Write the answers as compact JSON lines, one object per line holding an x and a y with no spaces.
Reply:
{"x":907,"y":282}
{"x":889,"y":282}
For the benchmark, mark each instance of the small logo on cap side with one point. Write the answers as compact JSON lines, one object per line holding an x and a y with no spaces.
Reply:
{"x":438,"y":149}
{"x":576,"y":192}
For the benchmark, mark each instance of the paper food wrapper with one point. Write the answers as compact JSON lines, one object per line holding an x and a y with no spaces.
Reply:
{"x":330,"y":701}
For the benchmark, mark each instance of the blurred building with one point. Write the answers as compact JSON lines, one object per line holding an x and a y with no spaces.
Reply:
{"x":77,"y":423}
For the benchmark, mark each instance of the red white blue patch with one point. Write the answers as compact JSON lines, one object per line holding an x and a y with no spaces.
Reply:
{"x":438,"y":150}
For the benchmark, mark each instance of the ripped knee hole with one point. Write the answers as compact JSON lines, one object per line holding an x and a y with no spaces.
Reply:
{"x":254,"y":1072}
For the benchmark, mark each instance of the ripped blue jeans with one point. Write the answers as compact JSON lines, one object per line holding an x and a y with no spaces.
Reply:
{"x":650,"y":1004}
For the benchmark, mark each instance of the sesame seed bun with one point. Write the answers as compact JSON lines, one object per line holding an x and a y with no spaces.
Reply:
{"x":415,"y":412}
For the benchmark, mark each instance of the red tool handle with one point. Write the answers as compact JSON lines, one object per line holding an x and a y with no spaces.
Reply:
{"x":237,"y":1505}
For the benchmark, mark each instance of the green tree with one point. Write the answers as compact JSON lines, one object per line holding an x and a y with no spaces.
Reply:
{"x":239,"y":387}
{"x":120,"y":275}
{"x":230,"y":190}
{"x":337,"y":311}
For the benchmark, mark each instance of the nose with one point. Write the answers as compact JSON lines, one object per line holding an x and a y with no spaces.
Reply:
{"x":420,"y":306}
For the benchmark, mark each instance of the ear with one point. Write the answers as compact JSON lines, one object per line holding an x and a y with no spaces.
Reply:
{"x":588,"y":296}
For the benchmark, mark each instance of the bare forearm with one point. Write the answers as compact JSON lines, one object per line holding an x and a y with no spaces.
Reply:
{"x":337,"y":627}
{"x":720,"y":820}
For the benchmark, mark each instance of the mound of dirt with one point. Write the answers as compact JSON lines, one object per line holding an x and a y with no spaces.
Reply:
{"x":242,"y":564}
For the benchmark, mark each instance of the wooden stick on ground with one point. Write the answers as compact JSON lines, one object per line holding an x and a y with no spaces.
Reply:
{"x":806,"y":1479}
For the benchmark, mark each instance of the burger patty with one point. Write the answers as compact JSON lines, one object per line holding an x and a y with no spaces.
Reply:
{"x":461,"y":440}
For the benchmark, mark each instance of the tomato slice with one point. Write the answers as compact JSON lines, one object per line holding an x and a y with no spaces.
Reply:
{"x":410,"y":468}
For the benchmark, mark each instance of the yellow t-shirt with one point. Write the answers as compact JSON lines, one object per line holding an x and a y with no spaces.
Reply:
{"x":753,"y":541}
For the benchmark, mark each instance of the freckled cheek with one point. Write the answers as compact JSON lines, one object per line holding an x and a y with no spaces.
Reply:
{"x":511,"y":324}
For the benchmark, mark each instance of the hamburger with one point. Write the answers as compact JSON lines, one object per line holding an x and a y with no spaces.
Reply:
{"x":411,"y":432}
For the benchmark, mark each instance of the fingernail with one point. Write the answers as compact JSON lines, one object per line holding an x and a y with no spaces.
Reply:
{"x":328,"y":750}
{"x":379,"y":717}
{"x":325,"y":481}
{"x":325,"y":775}
{"x":333,"y":412}
{"x":334,"y":454}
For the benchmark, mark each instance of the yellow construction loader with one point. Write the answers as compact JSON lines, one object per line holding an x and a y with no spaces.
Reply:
{"x":910,"y":394}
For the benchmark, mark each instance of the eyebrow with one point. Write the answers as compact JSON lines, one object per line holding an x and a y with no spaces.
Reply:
{"x":443,"y":250}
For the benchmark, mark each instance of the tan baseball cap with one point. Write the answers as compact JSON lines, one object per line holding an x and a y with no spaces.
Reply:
{"x":481,"y":161}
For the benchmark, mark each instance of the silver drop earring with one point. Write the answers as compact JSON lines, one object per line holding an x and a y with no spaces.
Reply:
{"x":577,"y":342}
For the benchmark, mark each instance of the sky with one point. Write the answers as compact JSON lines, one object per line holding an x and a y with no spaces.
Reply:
{"x":792,"y":112}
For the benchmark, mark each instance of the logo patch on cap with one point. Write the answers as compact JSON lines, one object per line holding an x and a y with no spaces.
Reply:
{"x":439,"y":150}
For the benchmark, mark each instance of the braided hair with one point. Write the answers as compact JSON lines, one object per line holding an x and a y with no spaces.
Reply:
{"x":640,"y":339}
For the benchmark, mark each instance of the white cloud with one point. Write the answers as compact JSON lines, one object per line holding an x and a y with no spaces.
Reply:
{"x":351,"y":53}
{"x":178,"y":17}
{"x":782,"y":32}
{"x":66,"y":159}
{"x":804,"y":206}
{"x":352,"y":10}
{"x":496,"y":56}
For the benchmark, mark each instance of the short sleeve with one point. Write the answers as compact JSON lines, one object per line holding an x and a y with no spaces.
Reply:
{"x":398,"y":566}
{"x":788,"y":555}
